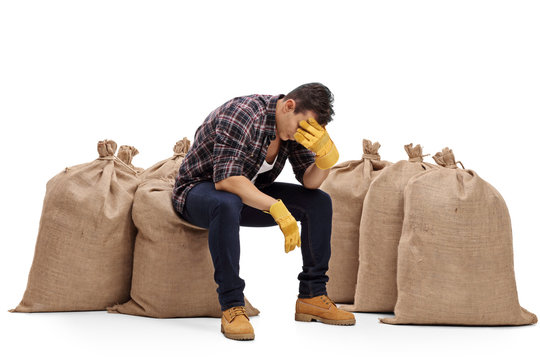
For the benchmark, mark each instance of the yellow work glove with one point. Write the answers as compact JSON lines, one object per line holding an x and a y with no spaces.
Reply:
{"x":315,"y":137}
{"x":287,"y":224}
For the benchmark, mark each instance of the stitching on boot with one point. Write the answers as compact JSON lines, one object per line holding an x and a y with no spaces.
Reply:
{"x":316,"y":306}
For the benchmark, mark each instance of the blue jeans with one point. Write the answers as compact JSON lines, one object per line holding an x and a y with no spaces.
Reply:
{"x":223,"y":213}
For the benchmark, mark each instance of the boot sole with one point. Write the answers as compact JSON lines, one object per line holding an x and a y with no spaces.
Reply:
{"x":238,"y":336}
{"x":309,"y":318}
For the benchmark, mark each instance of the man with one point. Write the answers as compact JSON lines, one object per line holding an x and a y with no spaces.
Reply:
{"x":227,"y":180}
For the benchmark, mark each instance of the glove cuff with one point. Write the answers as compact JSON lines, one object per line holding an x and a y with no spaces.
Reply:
{"x":328,"y":160}
{"x":278,"y":210}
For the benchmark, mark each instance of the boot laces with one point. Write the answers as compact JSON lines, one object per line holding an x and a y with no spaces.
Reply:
{"x":237,"y":311}
{"x":325,"y":297}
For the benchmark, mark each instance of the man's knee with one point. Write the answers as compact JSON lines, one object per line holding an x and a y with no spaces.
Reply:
{"x":319,"y":203}
{"x":322,"y":198}
{"x":323,"y":203}
{"x":228,"y":203}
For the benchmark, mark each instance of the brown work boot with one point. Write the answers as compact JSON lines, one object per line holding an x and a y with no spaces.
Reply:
{"x":235,"y":324}
{"x":323,"y":309}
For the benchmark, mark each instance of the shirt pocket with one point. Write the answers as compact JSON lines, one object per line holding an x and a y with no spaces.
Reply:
{"x":253,"y":156}
{"x":253,"y":150}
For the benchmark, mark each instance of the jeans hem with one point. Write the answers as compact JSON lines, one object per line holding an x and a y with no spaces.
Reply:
{"x":223,"y":308}
{"x":302,"y":296}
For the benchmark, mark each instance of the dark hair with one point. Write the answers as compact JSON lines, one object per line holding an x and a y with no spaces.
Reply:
{"x":313,"y":97}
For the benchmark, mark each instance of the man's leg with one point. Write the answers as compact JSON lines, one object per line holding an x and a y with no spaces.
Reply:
{"x":313,"y":208}
{"x":219,"y":212}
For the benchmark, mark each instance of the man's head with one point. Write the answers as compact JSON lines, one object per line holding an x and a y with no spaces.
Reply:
{"x":308,"y":100}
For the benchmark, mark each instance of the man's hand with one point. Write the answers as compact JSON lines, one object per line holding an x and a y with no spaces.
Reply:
{"x":287,"y":224}
{"x":315,"y":137}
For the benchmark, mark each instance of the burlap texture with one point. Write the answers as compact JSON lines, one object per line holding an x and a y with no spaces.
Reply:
{"x":83,"y":253}
{"x":173,"y":273}
{"x":380,"y":230}
{"x":126,"y":154}
{"x":347,"y":184}
{"x":455,"y":255}
{"x":168,"y":168}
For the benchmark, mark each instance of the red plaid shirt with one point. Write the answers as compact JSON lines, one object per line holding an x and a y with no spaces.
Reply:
{"x":233,"y":140}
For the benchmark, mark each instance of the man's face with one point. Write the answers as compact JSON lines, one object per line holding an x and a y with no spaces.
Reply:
{"x":292,"y":123}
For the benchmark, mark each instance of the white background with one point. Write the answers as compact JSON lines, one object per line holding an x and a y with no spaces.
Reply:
{"x":463,"y":74}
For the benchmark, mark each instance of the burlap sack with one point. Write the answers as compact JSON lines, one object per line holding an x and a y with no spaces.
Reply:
{"x":168,"y":168}
{"x":173,"y":273}
{"x":83,"y":253}
{"x":347,"y":184}
{"x":380,"y":230}
{"x":455,"y":256}
{"x":126,"y":154}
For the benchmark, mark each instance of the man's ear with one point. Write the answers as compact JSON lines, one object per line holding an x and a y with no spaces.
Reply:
{"x":290,"y":105}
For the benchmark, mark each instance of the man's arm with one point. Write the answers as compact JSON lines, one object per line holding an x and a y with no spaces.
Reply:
{"x":314,"y":137}
{"x":248,"y":192}
{"x":314,"y":176}
{"x":250,"y":195}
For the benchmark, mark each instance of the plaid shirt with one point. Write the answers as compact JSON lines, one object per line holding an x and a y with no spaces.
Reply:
{"x":233,"y":140}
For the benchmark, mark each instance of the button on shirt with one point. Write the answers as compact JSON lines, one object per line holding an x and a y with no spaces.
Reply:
{"x":233,"y":140}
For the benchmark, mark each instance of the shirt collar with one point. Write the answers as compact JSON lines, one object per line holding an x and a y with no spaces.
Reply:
{"x":270,"y":123}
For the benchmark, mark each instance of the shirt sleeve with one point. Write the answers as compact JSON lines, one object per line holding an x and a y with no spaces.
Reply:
{"x":300,"y":158}
{"x":232,"y":138}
